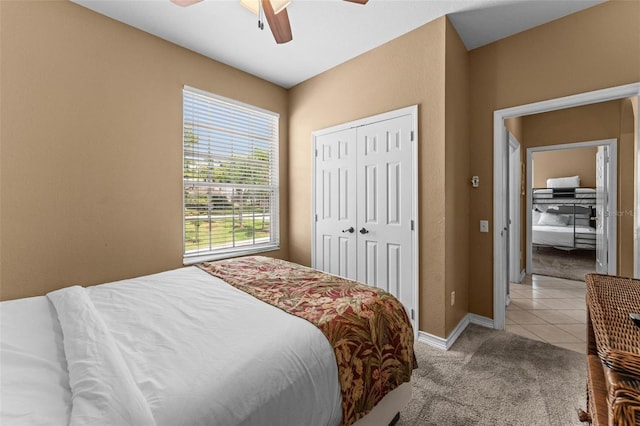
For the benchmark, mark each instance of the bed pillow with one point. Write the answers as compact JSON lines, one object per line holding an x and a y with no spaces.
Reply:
{"x":564,"y":182}
{"x":551,"y":219}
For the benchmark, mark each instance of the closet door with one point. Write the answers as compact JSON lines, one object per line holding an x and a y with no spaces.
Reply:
{"x":335,"y":193}
{"x":385,"y":207}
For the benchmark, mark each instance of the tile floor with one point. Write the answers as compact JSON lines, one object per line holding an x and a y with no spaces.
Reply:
{"x":549,"y":309}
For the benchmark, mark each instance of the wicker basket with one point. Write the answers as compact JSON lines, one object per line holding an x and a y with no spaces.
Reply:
{"x":610,"y":299}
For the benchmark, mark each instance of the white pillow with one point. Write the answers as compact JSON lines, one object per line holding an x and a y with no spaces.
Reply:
{"x":551,"y":219}
{"x":564,"y":182}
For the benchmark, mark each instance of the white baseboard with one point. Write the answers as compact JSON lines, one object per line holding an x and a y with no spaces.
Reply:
{"x":445,"y":344}
{"x":522,"y":275}
{"x":480,"y":320}
{"x":431,"y":340}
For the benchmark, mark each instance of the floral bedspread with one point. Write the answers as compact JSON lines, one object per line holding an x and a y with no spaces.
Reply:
{"x":367,"y":327}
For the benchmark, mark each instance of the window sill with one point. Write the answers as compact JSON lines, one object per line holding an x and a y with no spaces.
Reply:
{"x":207,"y":257}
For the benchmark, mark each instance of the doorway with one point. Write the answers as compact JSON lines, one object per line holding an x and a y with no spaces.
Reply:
{"x":501,"y":170}
{"x":561,"y":240}
{"x":573,"y":223}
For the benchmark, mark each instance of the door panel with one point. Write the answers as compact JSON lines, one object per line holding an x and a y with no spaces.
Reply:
{"x":344,"y":248}
{"x":370,"y":263}
{"x":393,"y":193}
{"x":394,"y":254}
{"x":335,"y":203}
{"x":384,"y":172}
{"x":326,"y":253}
{"x":371,"y":191}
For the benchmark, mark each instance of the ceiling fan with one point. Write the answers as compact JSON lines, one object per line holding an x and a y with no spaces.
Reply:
{"x":274,"y":10}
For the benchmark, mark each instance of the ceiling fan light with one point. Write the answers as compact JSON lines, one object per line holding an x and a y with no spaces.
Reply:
{"x":279,"y":5}
{"x":252,"y":5}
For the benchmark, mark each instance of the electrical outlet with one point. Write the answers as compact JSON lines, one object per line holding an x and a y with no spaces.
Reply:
{"x":453,"y":298}
{"x":484,"y":226}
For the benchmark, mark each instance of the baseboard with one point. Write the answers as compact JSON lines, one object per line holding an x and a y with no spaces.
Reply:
{"x":431,"y":340}
{"x":480,"y":320}
{"x":522,"y":275}
{"x":445,"y":344}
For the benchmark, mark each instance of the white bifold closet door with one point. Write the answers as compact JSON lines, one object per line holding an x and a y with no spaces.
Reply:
{"x":364,"y":207}
{"x":336,"y":203}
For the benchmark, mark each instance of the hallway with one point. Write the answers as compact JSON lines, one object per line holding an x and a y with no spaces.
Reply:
{"x":550,"y":310}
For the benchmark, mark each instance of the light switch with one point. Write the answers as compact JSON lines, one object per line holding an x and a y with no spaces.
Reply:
{"x":484,"y":226}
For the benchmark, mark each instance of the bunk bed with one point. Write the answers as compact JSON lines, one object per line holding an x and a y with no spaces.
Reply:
{"x":563,"y":216}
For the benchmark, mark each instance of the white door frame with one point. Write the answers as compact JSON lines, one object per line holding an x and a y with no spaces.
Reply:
{"x":612,"y":206}
{"x":413,"y":112}
{"x":500,"y":142}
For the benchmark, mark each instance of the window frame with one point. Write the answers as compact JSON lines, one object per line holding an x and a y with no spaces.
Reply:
{"x":274,"y":214}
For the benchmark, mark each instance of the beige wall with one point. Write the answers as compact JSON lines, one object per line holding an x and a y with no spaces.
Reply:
{"x":581,"y":124}
{"x":514,"y":126}
{"x":457,"y":179}
{"x":565,"y":162}
{"x":387,"y":78}
{"x":91,"y":146}
{"x":592,"y":49}
{"x":406,"y":71}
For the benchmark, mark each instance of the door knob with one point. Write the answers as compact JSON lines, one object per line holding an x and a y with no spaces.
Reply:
{"x":349,"y":230}
{"x":364,"y":231}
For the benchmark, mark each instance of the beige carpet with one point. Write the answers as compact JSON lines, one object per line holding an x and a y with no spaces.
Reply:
{"x":493,"y":377}
{"x":573,"y":265}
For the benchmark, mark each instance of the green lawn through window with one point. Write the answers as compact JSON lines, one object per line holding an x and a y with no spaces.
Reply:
{"x":225,"y":231}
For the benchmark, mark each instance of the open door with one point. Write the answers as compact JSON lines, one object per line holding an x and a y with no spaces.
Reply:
{"x":505,"y":231}
{"x":602,"y":202}
{"x":515,"y":186}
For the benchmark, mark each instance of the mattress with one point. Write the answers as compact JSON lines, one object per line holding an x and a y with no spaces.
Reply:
{"x":561,"y":236}
{"x":245,"y":362}
{"x":580,"y":193}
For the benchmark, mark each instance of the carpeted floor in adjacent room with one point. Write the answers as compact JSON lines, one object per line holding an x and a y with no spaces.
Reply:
{"x":573,"y":265}
{"x":492,"y":377}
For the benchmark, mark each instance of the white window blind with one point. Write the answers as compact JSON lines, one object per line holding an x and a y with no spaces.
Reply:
{"x":230,"y":163}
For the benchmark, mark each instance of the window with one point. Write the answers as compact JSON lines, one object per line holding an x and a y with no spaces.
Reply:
{"x":230,"y":169}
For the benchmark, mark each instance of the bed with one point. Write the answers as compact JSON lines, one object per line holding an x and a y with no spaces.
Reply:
{"x":562,"y":215}
{"x":568,"y":236}
{"x":188,"y":347}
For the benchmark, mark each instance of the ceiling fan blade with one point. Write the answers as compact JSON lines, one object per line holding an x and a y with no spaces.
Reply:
{"x":185,"y":3}
{"x":358,"y":1}
{"x":279,"y":23}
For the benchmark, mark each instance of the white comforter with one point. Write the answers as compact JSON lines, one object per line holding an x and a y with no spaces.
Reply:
{"x":562,"y":236}
{"x":180,"y":347}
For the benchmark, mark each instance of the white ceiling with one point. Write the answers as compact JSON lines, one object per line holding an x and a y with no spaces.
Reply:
{"x":325,"y":32}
